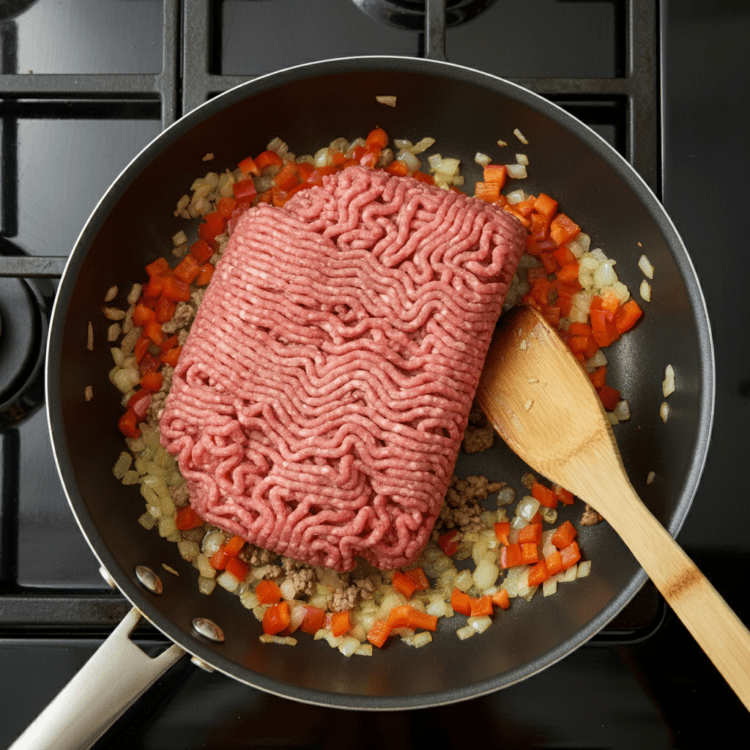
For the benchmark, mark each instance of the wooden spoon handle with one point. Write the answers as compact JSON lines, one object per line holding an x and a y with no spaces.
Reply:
{"x":716,"y":628}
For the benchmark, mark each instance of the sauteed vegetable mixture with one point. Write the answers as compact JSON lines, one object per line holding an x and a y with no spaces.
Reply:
{"x":480,"y":555}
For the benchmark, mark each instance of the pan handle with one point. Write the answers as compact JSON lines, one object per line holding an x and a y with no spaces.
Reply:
{"x":435,"y":30}
{"x":105,"y":687}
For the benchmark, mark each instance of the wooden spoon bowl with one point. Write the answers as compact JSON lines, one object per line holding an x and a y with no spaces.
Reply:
{"x":540,"y":400}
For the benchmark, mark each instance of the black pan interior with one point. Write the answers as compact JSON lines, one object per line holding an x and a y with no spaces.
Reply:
{"x":466,"y":112}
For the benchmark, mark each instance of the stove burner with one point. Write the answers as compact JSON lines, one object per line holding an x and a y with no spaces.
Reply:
{"x":410,"y":14}
{"x":21,"y":351}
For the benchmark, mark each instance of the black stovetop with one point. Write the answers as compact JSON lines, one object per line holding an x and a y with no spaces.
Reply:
{"x":85,"y":84}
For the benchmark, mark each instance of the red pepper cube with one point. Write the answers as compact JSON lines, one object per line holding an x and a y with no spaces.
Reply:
{"x":403,"y":584}
{"x":564,"y":535}
{"x":422,"y":620}
{"x":481,"y":606}
{"x":529,"y":554}
{"x":501,"y":598}
{"x":268,"y":592}
{"x":201,"y":251}
{"x":510,"y":556}
{"x":237,"y":568}
{"x":398,"y":617}
{"x":379,"y":633}
{"x":187,"y":519}
{"x":538,"y":574}
{"x":276,"y":618}
{"x":570,"y":555}
{"x":497,"y":173}
{"x":544,"y":495}
{"x":313,"y":620}
{"x":461,"y":602}
{"x":340,"y":623}
{"x":418,"y":577}
{"x":448,"y":543}
{"x":502,"y":530}
{"x":244,"y":190}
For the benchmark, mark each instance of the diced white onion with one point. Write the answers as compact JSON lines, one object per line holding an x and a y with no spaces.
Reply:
{"x":527,"y":508}
{"x":412,"y":163}
{"x":521,"y":137}
{"x":667,"y":385}
{"x":465,"y":632}
{"x":516,"y":196}
{"x":522,"y":159}
{"x":622,"y":410}
{"x":645,"y":290}
{"x":516,"y":171}
{"x":480,"y":624}
{"x":482,"y":159}
{"x":422,"y":145}
{"x":664,"y":411}
{"x":389,"y":101}
{"x":645,"y":265}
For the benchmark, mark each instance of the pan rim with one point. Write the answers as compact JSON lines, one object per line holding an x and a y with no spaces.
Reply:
{"x":335,"y":66}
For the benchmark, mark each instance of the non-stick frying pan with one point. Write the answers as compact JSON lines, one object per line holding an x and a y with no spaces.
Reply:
{"x":465,"y":111}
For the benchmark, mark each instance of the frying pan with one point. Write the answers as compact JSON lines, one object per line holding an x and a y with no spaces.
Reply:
{"x":308,"y":106}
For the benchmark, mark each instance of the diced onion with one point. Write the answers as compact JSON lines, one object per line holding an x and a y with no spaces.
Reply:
{"x":645,"y":290}
{"x":664,"y":411}
{"x":520,"y":136}
{"x":516,"y":171}
{"x":522,"y":159}
{"x":465,"y":632}
{"x":480,"y":624}
{"x":412,"y":163}
{"x":516,"y":196}
{"x":389,"y":101}
{"x":527,"y":508}
{"x":667,"y":385}
{"x":645,"y":265}
{"x":622,"y":410}
{"x":482,"y":159}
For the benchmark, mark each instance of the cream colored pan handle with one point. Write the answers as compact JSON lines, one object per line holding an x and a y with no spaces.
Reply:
{"x":105,"y":687}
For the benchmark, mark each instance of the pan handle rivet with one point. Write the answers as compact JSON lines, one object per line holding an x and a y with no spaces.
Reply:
{"x":208,"y":629}
{"x":202,"y":664}
{"x":149,"y":579}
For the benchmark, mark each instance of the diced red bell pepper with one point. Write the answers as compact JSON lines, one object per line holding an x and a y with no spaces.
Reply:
{"x":487,"y":191}
{"x":566,"y":497}
{"x":139,"y":403}
{"x":530,"y":534}
{"x":538,"y":574}
{"x":398,"y":168}
{"x":171,"y":356}
{"x":267,"y":159}
{"x":510,"y":556}
{"x":128,"y":424}
{"x":554,"y":563}
{"x":421,"y":620}
{"x":187,"y":519}
{"x":546,"y":206}
{"x":176,"y":290}
{"x":418,"y":577}
{"x":379,"y":633}
{"x":502,"y":530}
{"x":529,"y":554}
{"x":398,"y":617}
{"x":152,"y":330}
{"x":497,"y":173}
{"x":544,"y":495}
{"x":164,"y":310}
{"x":570,"y":555}
{"x":244,"y":191}
{"x":201,"y":251}
{"x":268,"y":592}
{"x":564,"y":535}
{"x":563,"y":229}
{"x":213,"y":225}
{"x":461,"y":602}
{"x":159,"y":267}
{"x":403,"y":585}
{"x":141,"y":348}
{"x":204,"y":275}
{"x":187,"y":269}
{"x":143,"y":314}
{"x":152,"y":381}
{"x":219,"y":559}
{"x":340,"y":623}
{"x":238,"y":568}
{"x":609,"y":397}
{"x":226,"y":206}
{"x":276,"y":618}
{"x":234,"y":546}
{"x":501,"y":599}
{"x":448,"y":542}
{"x":627,"y":316}
{"x":481,"y":606}
{"x":313,"y":620}
{"x":248,"y":166}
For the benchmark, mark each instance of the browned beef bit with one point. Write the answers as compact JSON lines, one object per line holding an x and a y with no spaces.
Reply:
{"x":349,"y":597}
{"x":479,"y":433}
{"x":463,"y":502}
{"x":590,"y":517}
{"x":179,"y":494}
{"x":256,"y":556}
{"x":302,"y":577}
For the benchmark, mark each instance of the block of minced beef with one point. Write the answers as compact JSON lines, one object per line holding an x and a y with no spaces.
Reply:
{"x":319,"y":402}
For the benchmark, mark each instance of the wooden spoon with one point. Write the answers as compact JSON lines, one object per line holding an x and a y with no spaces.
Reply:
{"x":538,"y":397}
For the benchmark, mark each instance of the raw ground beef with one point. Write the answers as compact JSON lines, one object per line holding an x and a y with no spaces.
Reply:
{"x":318,"y":406}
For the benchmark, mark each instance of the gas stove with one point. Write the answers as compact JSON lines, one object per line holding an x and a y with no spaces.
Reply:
{"x":85,"y":84}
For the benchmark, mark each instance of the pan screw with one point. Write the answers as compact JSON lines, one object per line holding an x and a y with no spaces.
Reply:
{"x":149,"y":579}
{"x":208,"y":629}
